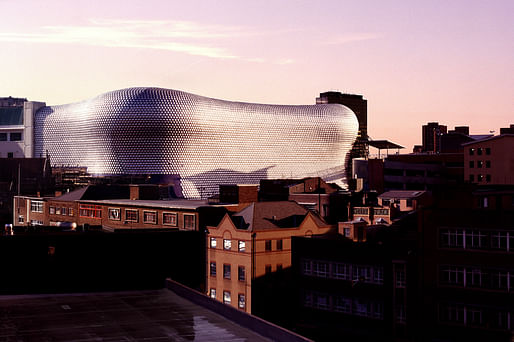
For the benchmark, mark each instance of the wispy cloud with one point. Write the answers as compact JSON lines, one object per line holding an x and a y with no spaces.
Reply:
{"x":178,"y":36}
{"x":351,"y":37}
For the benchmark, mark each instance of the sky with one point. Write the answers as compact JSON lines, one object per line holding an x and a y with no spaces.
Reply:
{"x":415,"y":62}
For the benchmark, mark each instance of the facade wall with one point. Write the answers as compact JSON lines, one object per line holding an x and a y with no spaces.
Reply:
{"x":490,"y":161}
{"x":161,"y":131}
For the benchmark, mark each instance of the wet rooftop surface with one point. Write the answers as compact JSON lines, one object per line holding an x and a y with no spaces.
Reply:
{"x":155,"y":315}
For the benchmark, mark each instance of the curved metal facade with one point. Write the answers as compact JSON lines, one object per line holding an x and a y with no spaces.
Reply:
{"x":205,"y":141}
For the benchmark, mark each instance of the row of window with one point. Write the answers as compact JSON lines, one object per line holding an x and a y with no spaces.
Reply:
{"x":480,"y":178}
{"x":52,"y":210}
{"x":475,"y":277}
{"x":36,"y":206}
{"x":476,"y":239}
{"x":15,"y":136}
{"x":480,"y":164}
{"x":90,"y":210}
{"x":227,"y":244}
{"x":227,"y":298}
{"x":476,"y":316}
{"x":348,"y":305}
{"x":372,"y":274}
{"x":227,"y":271}
{"x":479,"y":151}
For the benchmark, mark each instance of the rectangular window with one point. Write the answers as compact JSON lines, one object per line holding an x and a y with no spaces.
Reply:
{"x":241,"y":274}
{"x":471,"y":178}
{"x":70,"y":212}
{"x":64,"y":211}
{"x":189,"y":221}
{"x":480,"y":178}
{"x":320,"y":269}
{"x":487,"y":150}
{"x":400,"y":277}
{"x":20,"y":219}
{"x":227,"y":244}
{"x":226,"y":271}
{"x":279,"y":245}
{"x":306,"y":267}
{"x":150,"y":217}
{"x":36,"y":222}
{"x":212,"y":269}
{"x":480,"y":164}
{"x":169,"y":219}
{"x":268,"y":245}
{"x":499,"y":240}
{"x":131,"y":215}
{"x":341,"y":271}
{"x":479,"y":151}
{"x":58,"y":210}
{"x":226,"y":297}
{"x":114,"y":214}
{"x":267,"y":269}
{"x":3,"y":136}
{"x":241,"y":301}
{"x":378,"y":275}
{"x":487,"y":178}
{"x":488,"y":164}
{"x":471,"y":164}
{"x":51,"y":210}
{"x":242,"y":246}
{"x":15,"y":136}
{"x":214,"y":242}
{"x":471,"y":151}
{"x":343,"y":304}
{"x":361,"y":273}
{"x":89,"y":210}
{"x":452,"y":275}
{"x":347,"y":232}
{"x":212,"y":293}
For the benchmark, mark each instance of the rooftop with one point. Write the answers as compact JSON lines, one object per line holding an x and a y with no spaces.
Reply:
{"x":401,"y":194}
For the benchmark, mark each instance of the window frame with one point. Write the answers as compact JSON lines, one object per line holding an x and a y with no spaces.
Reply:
{"x":193,"y":221}
{"x":227,"y":271}
{"x":134,"y":220}
{"x":212,"y":269}
{"x":149,"y":212}
{"x":213,"y":242}
{"x":170,"y":215}
{"x":113,"y":217}
{"x":227,"y":244}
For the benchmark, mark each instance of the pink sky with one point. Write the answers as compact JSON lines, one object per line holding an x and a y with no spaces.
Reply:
{"x":415,"y":61}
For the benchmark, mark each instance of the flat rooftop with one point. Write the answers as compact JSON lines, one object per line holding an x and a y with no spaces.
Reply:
{"x":153,"y":315}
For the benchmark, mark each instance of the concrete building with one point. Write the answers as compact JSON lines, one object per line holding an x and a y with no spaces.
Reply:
{"x":490,"y":161}
{"x":253,"y":244}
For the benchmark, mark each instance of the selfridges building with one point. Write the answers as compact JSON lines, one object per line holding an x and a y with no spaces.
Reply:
{"x":204,"y":141}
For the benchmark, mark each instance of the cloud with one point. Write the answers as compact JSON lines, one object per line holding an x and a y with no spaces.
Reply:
{"x":178,"y":36}
{"x":351,"y":37}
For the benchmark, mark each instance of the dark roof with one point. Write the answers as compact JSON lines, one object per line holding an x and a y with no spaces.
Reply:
{"x":488,"y":138}
{"x":272,"y":215}
{"x":156,"y":315}
{"x":383,"y":144}
{"x":402,"y":194}
{"x":11,"y":116}
{"x":74,"y":195}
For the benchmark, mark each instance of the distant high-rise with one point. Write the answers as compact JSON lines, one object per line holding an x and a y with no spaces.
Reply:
{"x":432,"y":137}
{"x":359,"y":106}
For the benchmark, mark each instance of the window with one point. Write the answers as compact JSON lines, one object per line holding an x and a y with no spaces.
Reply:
{"x":362,"y":211}
{"x":320,"y":269}
{"x":347,"y":232}
{"x":471,"y":164}
{"x":343,"y":304}
{"x":212,"y":293}
{"x":471,"y":151}
{"x":241,"y":276}
{"x":361,"y":273}
{"x":487,"y":178}
{"x":480,"y":164}
{"x":20,"y":219}
{"x":150,"y":217}
{"x":89,"y":210}
{"x":279,"y":245}
{"x":400,"y":276}
{"x":480,"y":178}
{"x":452,"y":238}
{"x":452,"y":275}
{"x":378,"y":275}
{"x":268,"y":245}
{"x":64,"y":211}
{"x":226,"y":297}
{"x":321,"y":301}
{"x":10,"y":154}
{"x":279,"y":267}
{"x":475,"y":239}
{"x":267,"y":269}
{"x":499,"y":240}
{"x":212,"y":269}
{"x":15,"y":136}
{"x":488,"y":164}
{"x":242,"y":246}
{"x":400,"y":313}
{"x":3,"y":136}
{"x":227,"y":244}
{"x":189,"y":221}
{"x":241,"y":301}
{"x":471,"y":178}
{"x":36,"y":222}
{"x":226,"y":271}
{"x":70,"y":212}
{"x":169,"y":219}
{"x":341,"y":271}
{"x":131,"y":215}
{"x":51,"y":210}
{"x":114,"y":214}
{"x":479,"y":151}
{"x":473,"y":277}
{"x":58,"y":210}
{"x":306,"y":267}
{"x":488,"y":150}
{"x":214,"y":242}
{"x":500,"y":280}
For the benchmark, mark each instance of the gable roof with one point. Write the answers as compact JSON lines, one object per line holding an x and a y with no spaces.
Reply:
{"x":272,"y":215}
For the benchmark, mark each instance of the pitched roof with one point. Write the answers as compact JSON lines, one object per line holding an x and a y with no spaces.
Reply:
{"x":401,"y":194}
{"x":272,"y":215}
